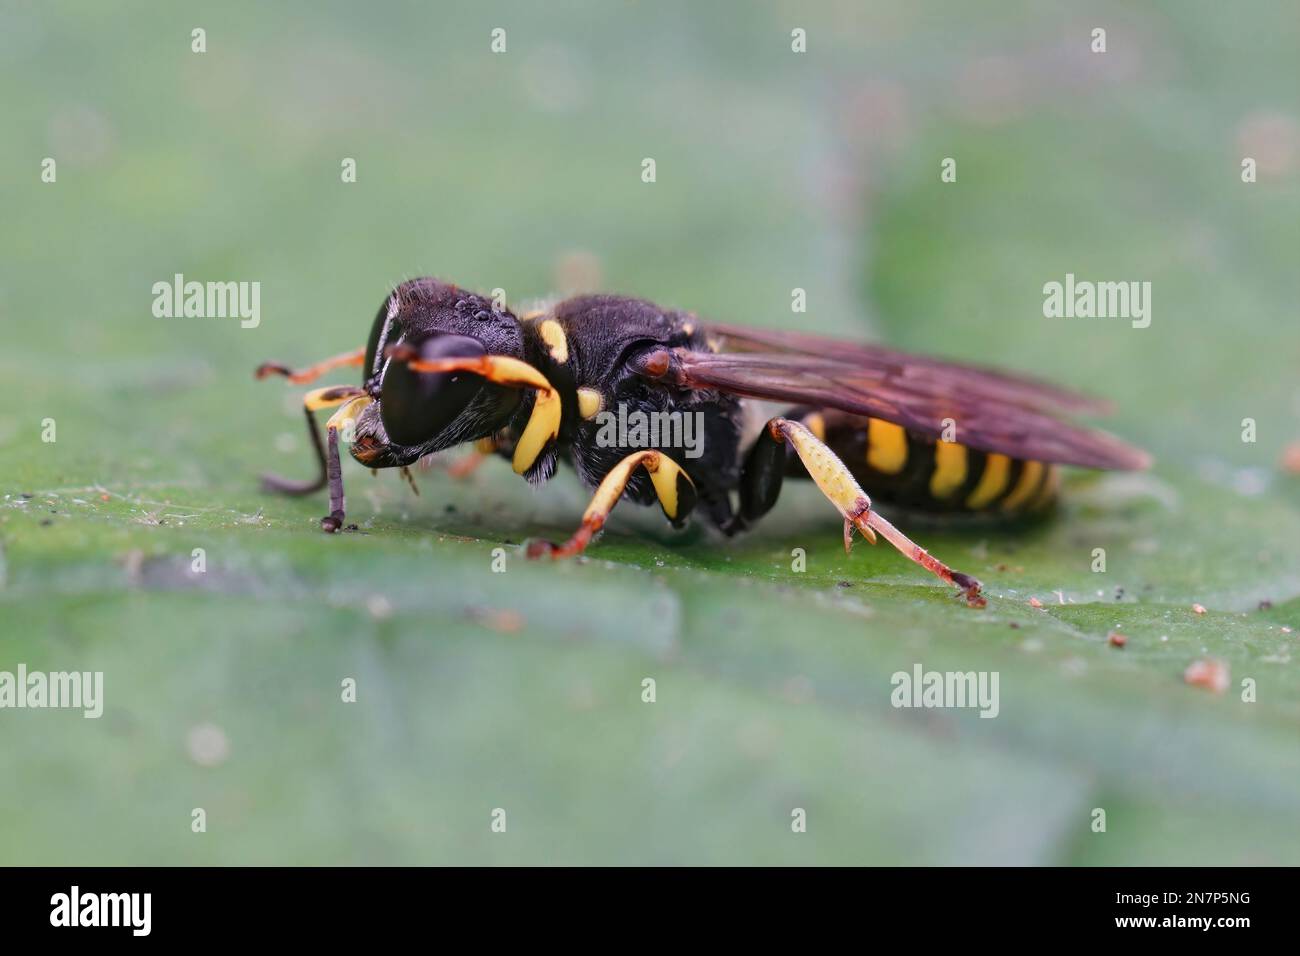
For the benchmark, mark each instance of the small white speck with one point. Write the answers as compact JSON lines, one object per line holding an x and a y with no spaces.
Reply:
{"x":207,"y":745}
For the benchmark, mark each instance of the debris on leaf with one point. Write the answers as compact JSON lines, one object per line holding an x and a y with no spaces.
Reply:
{"x":1291,"y":458}
{"x":1209,"y":673}
{"x":507,"y":622}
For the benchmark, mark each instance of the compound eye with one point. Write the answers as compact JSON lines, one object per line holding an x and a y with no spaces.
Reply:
{"x":382,"y":327}
{"x":416,"y":406}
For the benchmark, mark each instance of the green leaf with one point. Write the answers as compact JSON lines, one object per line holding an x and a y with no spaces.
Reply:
{"x":522,"y":690}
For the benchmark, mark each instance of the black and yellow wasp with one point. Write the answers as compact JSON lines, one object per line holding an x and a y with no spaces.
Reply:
{"x":444,"y":367}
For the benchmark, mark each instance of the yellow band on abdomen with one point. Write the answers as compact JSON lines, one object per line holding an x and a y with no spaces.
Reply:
{"x":997,"y":470}
{"x":949,"y":469}
{"x":886,"y":446}
{"x":1025,"y":487}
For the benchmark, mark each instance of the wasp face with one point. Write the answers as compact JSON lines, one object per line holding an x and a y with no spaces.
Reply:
{"x":419,"y":412}
{"x":370,"y":444}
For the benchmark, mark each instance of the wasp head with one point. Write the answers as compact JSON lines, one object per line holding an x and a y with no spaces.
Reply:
{"x":416,"y":412}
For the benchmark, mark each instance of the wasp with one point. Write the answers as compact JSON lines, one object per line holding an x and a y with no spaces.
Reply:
{"x":444,"y":367}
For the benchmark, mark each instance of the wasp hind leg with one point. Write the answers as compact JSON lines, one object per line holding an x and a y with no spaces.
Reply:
{"x":676,"y":492}
{"x":761,"y":484}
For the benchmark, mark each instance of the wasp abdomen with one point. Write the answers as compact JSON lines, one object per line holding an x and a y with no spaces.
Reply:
{"x":902,"y":467}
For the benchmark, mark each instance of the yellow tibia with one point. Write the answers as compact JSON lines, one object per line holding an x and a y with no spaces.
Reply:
{"x":319,"y":398}
{"x":349,"y":411}
{"x":663,"y":472}
{"x":543,"y":427}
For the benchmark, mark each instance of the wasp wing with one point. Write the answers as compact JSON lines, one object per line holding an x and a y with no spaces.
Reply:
{"x":918,"y":369}
{"x":992,"y":411}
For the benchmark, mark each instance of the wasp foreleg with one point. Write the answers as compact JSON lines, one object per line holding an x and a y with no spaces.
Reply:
{"x":317,"y":399}
{"x":327,"y":454}
{"x":344,"y":418}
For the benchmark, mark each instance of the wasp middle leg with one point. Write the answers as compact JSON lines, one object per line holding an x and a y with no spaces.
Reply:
{"x":764,"y":471}
{"x":674,"y":488}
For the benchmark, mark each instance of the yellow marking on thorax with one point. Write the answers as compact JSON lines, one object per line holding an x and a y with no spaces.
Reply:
{"x":886,"y":446}
{"x":997,"y":469}
{"x":553,"y":335}
{"x":1025,"y":486}
{"x":949,"y":469}
{"x":815,"y":422}
{"x":590,"y":403}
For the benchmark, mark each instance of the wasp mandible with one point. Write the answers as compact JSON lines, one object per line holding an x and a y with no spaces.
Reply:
{"x":444,"y":367}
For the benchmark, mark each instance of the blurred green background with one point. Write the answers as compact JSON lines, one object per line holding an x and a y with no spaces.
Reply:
{"x":522,"y":690}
